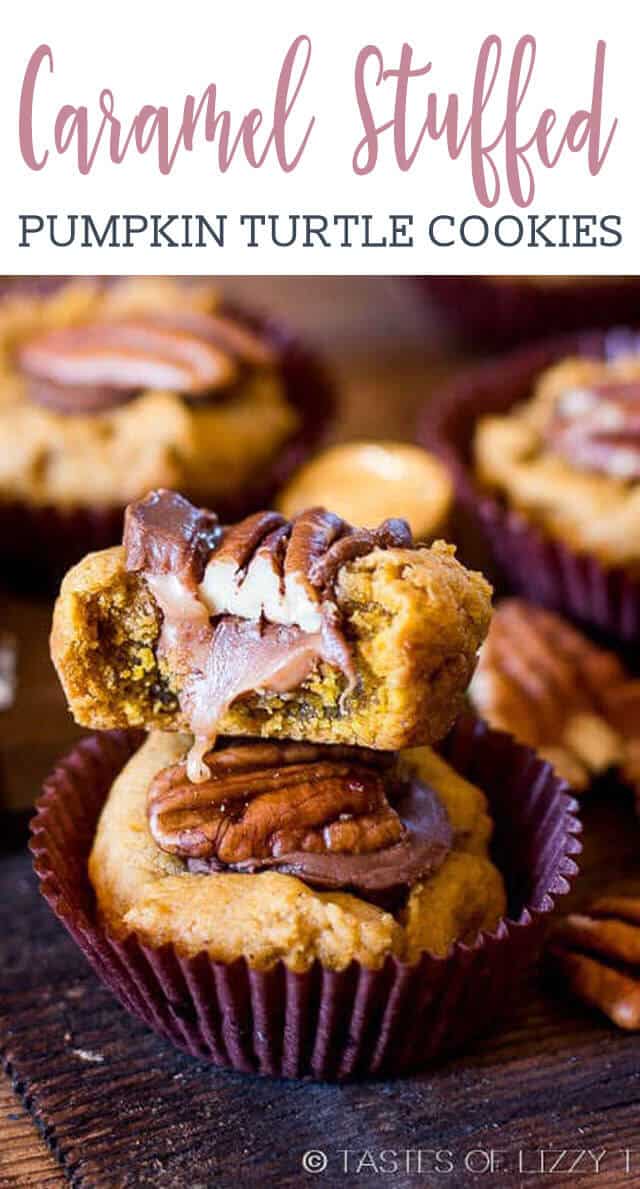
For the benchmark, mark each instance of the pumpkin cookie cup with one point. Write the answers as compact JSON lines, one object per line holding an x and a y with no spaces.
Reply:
{"x":41,"y":537}
{"x":330,"y":1024}
{"x":529,"y":558}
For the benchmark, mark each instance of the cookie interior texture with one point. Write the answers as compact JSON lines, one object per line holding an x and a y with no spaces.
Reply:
{"x":108,"y":457}
{"x":269,"y":916}
{"x":588,"y":508}
{"x":414,"y":619}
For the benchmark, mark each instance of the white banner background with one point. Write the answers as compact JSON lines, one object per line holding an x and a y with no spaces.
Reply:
{"x":156,"y":53}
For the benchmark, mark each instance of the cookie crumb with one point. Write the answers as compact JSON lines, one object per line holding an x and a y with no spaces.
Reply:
{"x":88,"y":1055}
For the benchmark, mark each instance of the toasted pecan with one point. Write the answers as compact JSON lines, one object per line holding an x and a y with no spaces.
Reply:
{"x":597,"y":953}
{"x":265,"y":800}
{"x":597,"y":428}
{"x":94,"y":367}
{"x":550,"y":686}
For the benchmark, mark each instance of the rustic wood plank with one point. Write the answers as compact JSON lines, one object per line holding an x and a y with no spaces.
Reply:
{"x":24,"y":1159}
{"x":122,"y":1107}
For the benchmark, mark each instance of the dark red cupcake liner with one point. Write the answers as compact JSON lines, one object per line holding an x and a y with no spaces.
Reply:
{"x":38,"y":544}
{"x":529,"y":560}
{"x":485,"y":314}
{"x":323,"y":1024}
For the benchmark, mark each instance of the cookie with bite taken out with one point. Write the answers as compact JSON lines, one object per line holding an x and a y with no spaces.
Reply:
{"x":306,"y":629}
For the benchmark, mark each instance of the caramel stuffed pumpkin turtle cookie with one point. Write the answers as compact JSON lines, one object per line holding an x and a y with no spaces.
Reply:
{"x":261,"y":919}
{"x":300,"y":861}
{"x":305,"y":629}
{"x":105,"y":392}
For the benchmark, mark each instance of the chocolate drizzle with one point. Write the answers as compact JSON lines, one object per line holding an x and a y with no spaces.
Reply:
{"x":337,"y":818}
{"x":392,"y":534}
{"x":240,"y":542}
{"x":77,"y":398}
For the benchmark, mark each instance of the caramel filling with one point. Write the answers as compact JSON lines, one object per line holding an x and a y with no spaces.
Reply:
{"x":247,"y":608}
{"x":598,"y":428}
{"x":338,"y":818}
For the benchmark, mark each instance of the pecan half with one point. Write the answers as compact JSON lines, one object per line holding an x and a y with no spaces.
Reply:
{"x":598,"y":428}
{"x":93,"y":367}
{"x":547,"y":684}
{"x":598,"y":954}
{"x":233,"y":337}
{"x":319,"y":813}
{"x":266,"y":800}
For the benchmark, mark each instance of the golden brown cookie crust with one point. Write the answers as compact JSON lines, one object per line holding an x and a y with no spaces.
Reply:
{"x":415,"y":619}
{"x":591,"y":512}
{"x":157,"y":439}
{"x":267,"y":917}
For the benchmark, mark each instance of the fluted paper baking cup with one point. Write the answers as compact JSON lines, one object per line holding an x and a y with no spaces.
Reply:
{"x":489,"y":313}
{"x":325,"y":1024}
{"x":38,"y":543}
{"x":530,"y":561}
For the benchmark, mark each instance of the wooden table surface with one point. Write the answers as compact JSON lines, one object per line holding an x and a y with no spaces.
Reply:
{"x":388,"y":353}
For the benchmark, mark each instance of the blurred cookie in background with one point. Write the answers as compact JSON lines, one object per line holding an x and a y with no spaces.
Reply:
{"x":367,"y":482}
{"x":107,"y":390}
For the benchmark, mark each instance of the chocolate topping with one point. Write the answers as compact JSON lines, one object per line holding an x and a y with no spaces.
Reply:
{"x":165,"y":534}
{"x":313,"y":532}
{"x":392,"y":534}
{"x":422,"y":849}
{"x":239,"y":543}
{"x":598,"y":428}
{"x":77,"y":398}
{"x":319,"y":813}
